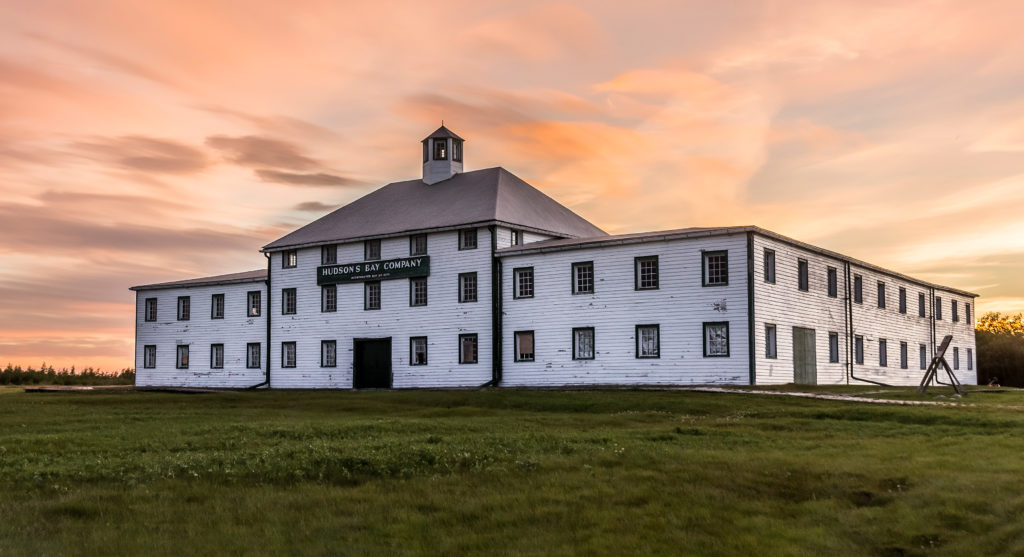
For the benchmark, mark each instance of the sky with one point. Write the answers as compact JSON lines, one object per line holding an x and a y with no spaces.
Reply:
{"x":144,"y":142}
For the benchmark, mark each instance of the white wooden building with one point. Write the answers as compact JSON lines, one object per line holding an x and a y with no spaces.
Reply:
{"x":462,"y":279}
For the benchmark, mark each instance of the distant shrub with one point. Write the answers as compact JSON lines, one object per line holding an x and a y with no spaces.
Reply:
{"x":1000,"y":340}
{"x":47,"y":375}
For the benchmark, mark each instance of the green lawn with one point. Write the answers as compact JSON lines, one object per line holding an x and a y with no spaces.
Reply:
{"x":507,"y":472}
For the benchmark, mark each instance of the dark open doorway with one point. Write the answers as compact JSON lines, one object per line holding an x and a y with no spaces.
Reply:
{"x":372,"y":363}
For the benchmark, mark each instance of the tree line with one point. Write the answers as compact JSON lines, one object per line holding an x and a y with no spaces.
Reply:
{"x":47,"y":375}
{"x":1000,"y":341}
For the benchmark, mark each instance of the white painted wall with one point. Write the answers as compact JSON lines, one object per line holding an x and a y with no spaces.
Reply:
{"x":679,"y":306}
{"x":234,"y":331}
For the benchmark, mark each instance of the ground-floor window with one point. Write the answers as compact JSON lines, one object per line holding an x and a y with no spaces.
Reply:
{"x":858,"y":349}
{"x":149,"y":356}
{"x":467,"y":348}
{"x":524,"y":346}
{"x":418,"y":351}
{"x":970,"y":359}
{"x":252,"y":355}
{"x":956,"y":358}
{"x":216,"y":356}
{"x":903,"y":355}
{"x":924,"y":356}
{"x":328,"y":353}
{"x":883,"y":353}
{"x":833,"y":348}
{"x":287,"y":354}
{"x":583,"y":343}
{"x":182,"y":361}
{"x":648,"y":341}
{"x":770,"y":342}
{"x":716,"y":340}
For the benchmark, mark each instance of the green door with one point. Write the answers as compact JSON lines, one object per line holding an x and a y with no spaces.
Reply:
{"x":805,"y":366}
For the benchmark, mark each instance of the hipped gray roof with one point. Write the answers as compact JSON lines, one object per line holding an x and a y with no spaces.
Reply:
{"x":492,"y":195}
{"x":443,"y":132}
{"x":233,"y":278}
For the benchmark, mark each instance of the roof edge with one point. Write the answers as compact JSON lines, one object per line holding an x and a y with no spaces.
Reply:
{"x":258,"y":275}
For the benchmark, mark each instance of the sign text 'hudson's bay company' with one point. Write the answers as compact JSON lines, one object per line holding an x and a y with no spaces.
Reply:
{"x":374,"y":270}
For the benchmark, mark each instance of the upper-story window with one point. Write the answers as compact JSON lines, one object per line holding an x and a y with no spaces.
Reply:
{"x":150,"y":309}
{"x":371,"y":250}
{"x":184,"y":303}
{"x":467,"y":287}
{"x":833,"y":282}
{"x":858,"y":289}
{"x":522,"y":279}
{"x":253,"y":304}
{"x":583,"y":277}
{"x":938,"y":308}
{"x":715,"y":268}
{"x":903,"y":300}
{"x":881,"y":295}
{"x":288,"y":301}
{"x":967,"y":312}
{"x":440,"y":149}
{"x":802,"y":275}
{"x":371,"y":294}
{"x":329,"y":255}
{"x":467,"y":239}
{"x":418,"y":244}
{"x":456,"y":150}
{"x":329,"y":298}
{"x":956,"y":314}
{"x":517,"y":237}
{"x":769,"y":266}
{"x":418,"y":291}
{"x":920,"y":304}
{"x":645,"y":273}
{"x":289,"y":259}
{"x":217,"y":306}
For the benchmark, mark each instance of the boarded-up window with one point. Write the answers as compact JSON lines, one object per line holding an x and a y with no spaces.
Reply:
{"x":467,"y":348}
{"x":524,"y":346}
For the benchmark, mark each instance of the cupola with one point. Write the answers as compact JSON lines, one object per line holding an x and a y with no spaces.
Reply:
{"x":442,"y":155}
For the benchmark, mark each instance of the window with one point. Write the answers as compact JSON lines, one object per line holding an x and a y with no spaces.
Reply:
{"x":329,"y":255}
{"x":716,"y":268}
{"x":833,"y":283}
{"x":802,"y":275}
{"x":217,"y":306}
{"x":289,"y":259}
{"x":149,"y":356}
{"x":956,"y":358}
{"x":938,"y":308}
{"x":287,"y":354}
{"x":150,"y":309}
{"x":371,"y":250}
{"x":903,"y":355}
{"x":252,"y":355}
{"x":440,"y":149}
{"x":881,"y":295}
{"x":583,"y":343}
{"x":184,"y":303}
{"x":770,"y":344}
{"x":883,"y":353}
{"x":253,"y":303}
{"x":524,"y":346}
{"x":923,"y":356}
{"x":328,"y":353}
{"x":467,"y":287}
{"x":967,"y":313}
{"x":418,"y":244}
{"x":182,"y":361}
{"x":858,"y":348}
{"x":970,"y":359}
{"x":648,"y":341}
{"x":216,"y":356}
{"x":329,"y":298}
{"x":716,"y":340}
{"x":418,"y":351}
{"x":769,"y":266}
{"x":467,"y":348}
{"x":522,"y":286}
{"x":645,"y":273}
{"x":517,"y":237}
{"x":956,"y":314}
{"x":371,"y":295}
{"x":418,"y":291}
{"x":903,"y":300}
{"x":833,"y":348}
{"x":426,"y":150}
{"x":583,"y":277}
{"x":288,"y":301}
{"x":467,"y":239}
{"x":858,"y":289}
{"x":456,"y":150}
{"x":920,"y":304}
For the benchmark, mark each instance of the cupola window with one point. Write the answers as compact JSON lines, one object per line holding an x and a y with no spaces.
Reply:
{"x":456,"y":150}
{"x":440,"y":149}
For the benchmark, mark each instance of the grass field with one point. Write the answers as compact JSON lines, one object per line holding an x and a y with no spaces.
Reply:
{"x":508,"y":472}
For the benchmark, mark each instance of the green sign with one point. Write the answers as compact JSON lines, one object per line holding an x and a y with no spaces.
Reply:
{"x":374,"y":270}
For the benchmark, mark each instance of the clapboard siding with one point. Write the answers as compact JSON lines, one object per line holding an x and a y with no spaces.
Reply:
{"x":680,"y":307}
{"x":962,"y":331}
{"x":234,"y":331}
{"x":441,"y":321}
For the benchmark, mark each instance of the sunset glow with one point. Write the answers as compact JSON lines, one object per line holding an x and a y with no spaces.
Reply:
{"x":143,"y":142}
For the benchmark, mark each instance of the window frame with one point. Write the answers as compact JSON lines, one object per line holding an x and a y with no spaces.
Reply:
{"x":803,"y":275}
{"x":184,"y":308}
{"x":955,"y":313}
{"x":214,"y":364}
{"x":709,"y":324}
{"x":146,"y":307}
{"x":517,"y":291}
{"x":705,"y":271}
{"x":253,"y":310}
{"x":179,"y":362}
{"x":517,"y":356}
{"x":904,"y":355}
{"x":289,"y":348}
{"x":332,"y":361}
{"x":858,"y":350}
{"x":956,"y":358}
{"x":938,"y":308}
{"x":289,"y":296}
{"x":771,"y":341}
{"x":329,"y":254}
{"x":517,"y":237}
{"x":456,"y":150}
{"x":412,"y":351}
{"x":833,"y":347}
{"x":575,"y":280}
{"x":329,"y":298}
{"x":575,"y":343}
{"x":858,"y":289}
{"x":923,"y":356}
{"x":440,"y":146}
{"x":903,"y":300}
{"x":369,"y":287}
{"x":657,"y":340}
{"x":413,"y":282}
{"x":464,"y":292}
{"x":970,"y":359}
{"x":769,"y":269}
{"x":638,"y":279}
{"x":476,"y":348}
{"x":881,"y":294}
{"x":249,"y":353}
{"x":289,"y":259}
{"x":214,"y":314}
{"x":464,"y":236}
{"x":414,"y":248}
{"x":883,"y":352}
{"x":149,"y":356}
{"x":921,"y":312}
{"x":372,"y":250}
{"x":832,"y":278}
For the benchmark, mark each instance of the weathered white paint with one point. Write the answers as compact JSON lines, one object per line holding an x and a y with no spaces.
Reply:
{"x":234,"y":331}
